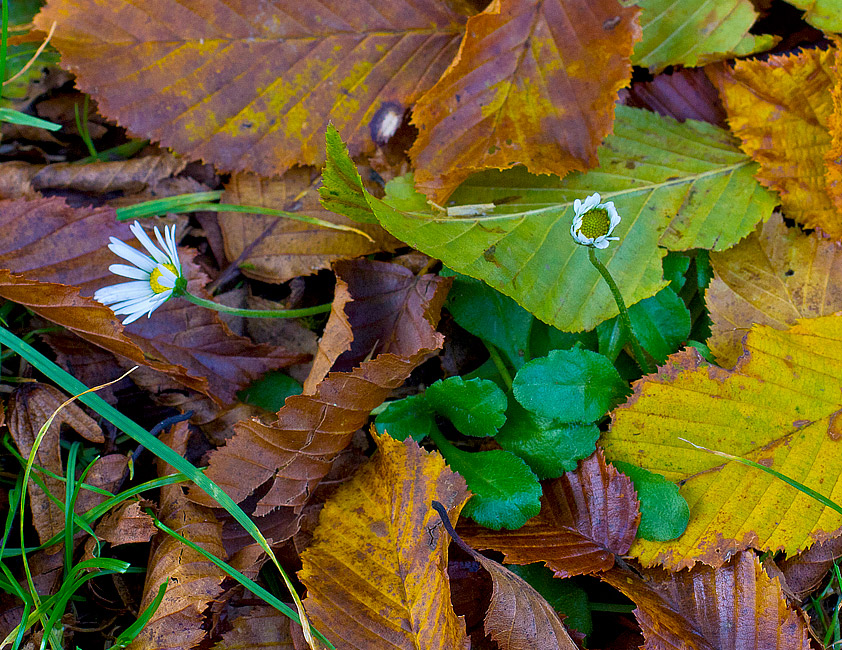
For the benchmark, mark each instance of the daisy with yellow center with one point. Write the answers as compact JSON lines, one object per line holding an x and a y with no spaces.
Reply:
{"x":593,"y":222}
{"x":155,"y":278}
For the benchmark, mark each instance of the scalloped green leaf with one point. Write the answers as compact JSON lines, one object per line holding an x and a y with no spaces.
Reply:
{"x":676,"y":185}
{"x":477,"y":407}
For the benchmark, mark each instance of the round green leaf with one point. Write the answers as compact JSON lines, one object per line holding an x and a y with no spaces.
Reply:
{"x":476,"y":407}
{"x":664,"y":513}
{"x":410,"y":417}
{"x":570,"y":386}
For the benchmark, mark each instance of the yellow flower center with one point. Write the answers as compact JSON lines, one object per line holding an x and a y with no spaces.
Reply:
{"x":595,"y":223}
{"x":155,"y":276}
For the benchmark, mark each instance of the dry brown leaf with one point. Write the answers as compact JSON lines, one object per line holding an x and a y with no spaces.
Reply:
{"x":30,"y":406}
{"x":126,"y":524}
{"x":587,"y":517}
{"x":773,"y":277}
{"x":258,"y":627}
{"x":686,"y":94}
{"x":280,"y":248}
{"x":736,"y":606}
{"x":804,"y":572}
{"x":376,"y":571}
{"x":389,"y":312}
{"x":193,"y":582}
{"x":522,"y":90}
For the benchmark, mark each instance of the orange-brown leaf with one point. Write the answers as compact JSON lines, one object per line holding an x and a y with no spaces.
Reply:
{"x":126,"y":524}
{"x":523,"y":90}
{"x":805,"y":572}
{"x":833,"y":156}
{"x":736,"y":606}
{"x":587,"y":517}
{"x":773,"y":277}
{"x":376,"y":571}
{"x":260,"y":627}
{"x":279,"y":248}
{"x":779,"y":108}
{"x":30,"y":406}
{"x":250,"y":85}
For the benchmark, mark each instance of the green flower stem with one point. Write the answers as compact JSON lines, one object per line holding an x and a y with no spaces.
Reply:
{"x":624,"y":312}
{"x":257,"y":313}
{"x":500,"y":365}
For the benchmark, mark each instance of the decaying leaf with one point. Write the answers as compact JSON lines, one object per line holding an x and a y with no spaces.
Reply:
{"x":805,"y":572}
{"x":258,"y":627}
{"x":522,"y":91}
{"x":773,"y":277}
{"x":695,"y":32}
{"x":296,"y":451}
{"x":375,"y":571}
{"x":777,"y":407}
{"x":833,"y":156}
{"x":736,"y":606}
{"x":587,"y":517}
{"x":30,"y":406}
{"x":193,"y":582}
{"x":276,"y":249}
{"x":779,"y":108}
{"x":250,"y":85}
{"x":686,"y":94}
{"x":126,"y":524}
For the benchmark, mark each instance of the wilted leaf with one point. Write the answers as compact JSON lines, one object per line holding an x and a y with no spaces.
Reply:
{"x":564,"y":595}
{"x":773,"y":277}
{"x":250,"y":86}
{"x":193,"y":581}
{"x":295,"y":451}
{"x":126,"y":524}
{"x":376,"y":570}
{"x":695,"y":32}
{"x":776,"y":407}
{"x":518,"y":617}
{"x":30,"y":406}
{"x":825,"y":15}
{"x":677,"y":186}
{"x":736,"y":606}
{"x":476,"y":407}
{"x":587,"y":517}
{"x":833,"y":156}
{"x":686,"y":94}
{"x":806,"y":571}
{"x":779,"y":108}
{"x":276,"y":249}
{"x":522,"y":91}
{"x":260,"y":627}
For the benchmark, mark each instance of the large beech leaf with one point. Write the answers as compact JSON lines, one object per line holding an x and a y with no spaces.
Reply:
{"x":376,"y":570}
{"x":250,"y":85}
{"x":778,"y":407}
{"x":779,"y":108}
{"x":773,"y":277}
{"x":275,"y":249}
{"x":677,"y":186}
{"x":521,"y":91}
{"x":695,"y":32}
{"x":737,"y":606}
{"x":587,"y":517}
{"x":296,"y":451}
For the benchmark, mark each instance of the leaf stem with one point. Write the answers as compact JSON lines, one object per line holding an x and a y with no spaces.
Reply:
{"x":500,"y":365}
{"x":257,"y":313}
{"x":639,"y":356}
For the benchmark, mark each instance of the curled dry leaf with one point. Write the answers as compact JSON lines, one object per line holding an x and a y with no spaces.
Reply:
{"x":587,"y":517}
{"x":271,"y":74}
{"x":376,"y":570}
{"x":518,"y":617}
{"x":736,"y":606}
{"x":296,"y":451}
{"x":276,"y":249}
{"x":258,"y":627}
{"x":389,"y":312}
{"x":773,"y":277}
{"x":779,"y":108}
{"x":805,"y":572}
{"x":30,"y":406}
{"x":126,"y":524}
{"x":779,"y":407}
{"x":686,"y":94}
{"x":538,"y":102}
{"x":193,"y":582}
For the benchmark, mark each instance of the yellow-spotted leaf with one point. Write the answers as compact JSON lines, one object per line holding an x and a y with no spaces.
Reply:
{"x":376,"y":570}
{"x":250,"y":85}
{"x":774,"y":276}
{"x":780,"y":109}
{"x":779,"y":407}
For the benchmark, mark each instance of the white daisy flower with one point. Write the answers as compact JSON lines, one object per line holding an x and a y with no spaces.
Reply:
{"x":155,"y":278}
{"x":594,"y":222}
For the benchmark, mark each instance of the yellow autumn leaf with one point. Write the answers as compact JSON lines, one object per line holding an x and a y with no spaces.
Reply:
{"x":774,"y":276}
{"x":779,"y":108}
{"x":833,"y":156}
{"x":779,"y":407}
{"x":376,"y":571}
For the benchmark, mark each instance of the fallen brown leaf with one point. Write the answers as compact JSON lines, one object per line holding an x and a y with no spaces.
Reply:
{"x":126,"y":524}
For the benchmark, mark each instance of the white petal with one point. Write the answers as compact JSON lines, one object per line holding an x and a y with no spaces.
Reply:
{"x":127,"y":306}
{"x":167,"y":283}
{"x":133,"y":317}
{"x":173,"y":247}
{"x":577,"y":207}
{"x":166,"y":273}
{"x":124,"y":291}
{"x":143,"y":238}
{"x":131,"y":255}
{"x":591,"y":202}
{"x":129,"y":272}
{"x":600,"y":243}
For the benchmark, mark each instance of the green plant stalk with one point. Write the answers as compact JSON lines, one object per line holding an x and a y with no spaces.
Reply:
{"x":75,"y":387}
{"x":499,"y":364}
{"x":255,"y":313}
{"x":639,"y":356}
{"x":4,"y":34}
